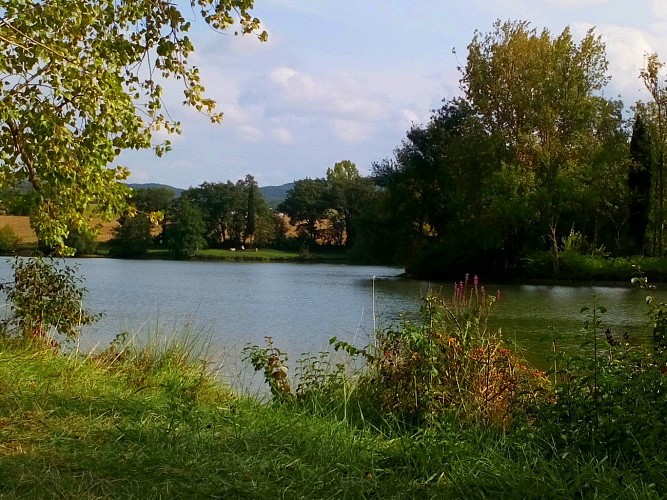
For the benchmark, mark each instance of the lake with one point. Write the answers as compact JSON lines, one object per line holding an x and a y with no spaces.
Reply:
{"x":302,"y":305}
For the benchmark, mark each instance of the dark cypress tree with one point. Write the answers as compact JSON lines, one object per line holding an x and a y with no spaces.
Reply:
{"x":639,"y":182}
{"x":251,"y":212}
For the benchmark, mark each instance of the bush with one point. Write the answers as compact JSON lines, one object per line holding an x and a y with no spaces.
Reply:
{"x":448,"y":361}
{"x":45,"y":299}
{"x":9,"y":240}
{"x":82,"y":243}
{"x":610,"y":397}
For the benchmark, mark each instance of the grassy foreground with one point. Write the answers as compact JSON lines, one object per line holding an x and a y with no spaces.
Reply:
{"x":153,"y":423}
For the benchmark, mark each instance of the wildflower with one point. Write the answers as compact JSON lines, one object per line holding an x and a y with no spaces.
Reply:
{"x":610,"y":338}
{"x":475,"y":281}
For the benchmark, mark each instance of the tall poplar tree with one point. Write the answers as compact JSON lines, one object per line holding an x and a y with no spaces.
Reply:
{"x":651,"y":78}
{"x":541,"y":94}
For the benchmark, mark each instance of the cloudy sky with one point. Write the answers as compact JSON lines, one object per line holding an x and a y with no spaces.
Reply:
{"x":346,"y":79}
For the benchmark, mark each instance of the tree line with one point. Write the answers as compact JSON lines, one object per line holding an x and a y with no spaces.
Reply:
{"x":531,"y":159}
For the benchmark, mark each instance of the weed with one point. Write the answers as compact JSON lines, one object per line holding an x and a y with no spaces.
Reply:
{"x":272,"y":362}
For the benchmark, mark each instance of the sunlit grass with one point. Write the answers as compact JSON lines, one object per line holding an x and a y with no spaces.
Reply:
{"x":151,"y":420}
{"x":268,"y":255}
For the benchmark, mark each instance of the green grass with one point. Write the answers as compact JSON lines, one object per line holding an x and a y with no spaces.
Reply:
{"x":259,"y":255}
{"x":577,"y":267}
{"x":269,"y":255}
{"x":151,"y":422}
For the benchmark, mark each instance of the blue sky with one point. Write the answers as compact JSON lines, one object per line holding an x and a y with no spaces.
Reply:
{"x":345,"y":80}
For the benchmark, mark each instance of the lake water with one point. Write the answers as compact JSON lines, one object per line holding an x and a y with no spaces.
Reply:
{"x":302,"y":305}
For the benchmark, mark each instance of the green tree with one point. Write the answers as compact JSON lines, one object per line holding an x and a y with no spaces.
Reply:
{"x":528,"y":152}
{"x":227,"y":208}
{"x":82,"y":81}
{"x":639,"y":182}
{"x":656,"y":112}
{"x":251,"y":210}
{"x":132,"y":237}
{"x":83,"y":243}
{"x":541,"y":96}
{"x":305,"y":205}
{"x":214,"y":200}
{"x":446,"y":200}
{"x":185,"y":230}
{"x":348,"y":193}
{"x":9,"y":240}
{"x":152,"y":200}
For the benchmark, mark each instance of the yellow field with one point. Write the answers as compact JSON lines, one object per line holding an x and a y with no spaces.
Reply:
{"x":21,"y":226}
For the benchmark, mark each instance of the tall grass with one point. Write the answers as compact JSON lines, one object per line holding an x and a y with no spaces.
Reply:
{"x":149,"y":420}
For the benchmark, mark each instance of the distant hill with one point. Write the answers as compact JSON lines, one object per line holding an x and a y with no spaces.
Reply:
{"x":273,"y":195}
{"x":153,"y":185}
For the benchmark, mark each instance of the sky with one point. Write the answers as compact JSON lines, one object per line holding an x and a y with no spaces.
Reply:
{"x":346,"y":80}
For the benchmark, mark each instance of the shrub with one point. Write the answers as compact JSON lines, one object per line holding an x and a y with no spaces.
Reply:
{"x":9,"y":240}
{"x":448,"y":361}
{"x":610,"y":397}
{"x":83,"y":243}
{"x":132,"y":237}
{"x":273,"y":363}
{"x":45,"y":299}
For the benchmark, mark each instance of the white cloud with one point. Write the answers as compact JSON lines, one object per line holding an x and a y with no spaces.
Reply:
{"x":411,"y":117}
{"x":250,"y":133}
{"x":351,"y":130}
{"x":626,"y":49}
{"x":341,"y":96}
{"x":282,"y":136}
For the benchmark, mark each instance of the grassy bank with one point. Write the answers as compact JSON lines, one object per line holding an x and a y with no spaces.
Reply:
{"x":574,"y":266}
{"x":155,"y":423}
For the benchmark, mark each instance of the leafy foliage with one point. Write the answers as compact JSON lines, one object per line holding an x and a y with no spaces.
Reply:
{"x":81,"y":82}
{"x":185,"y":230}
{"x":448,"y":362}
{"x":419,"y":373}
{"x":272,"y":362}
{"x":530,"y":150}
{"x":654,"y":112}
{"x":327,"y":211}
{"x":610,"y":395}
{"x":132,"y":236}
{"x":639,"y":182}
{"x":45,"y":299}
{"x":234,"y":214}
{"x":9,"y":240}
{"x":305,"y":205}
